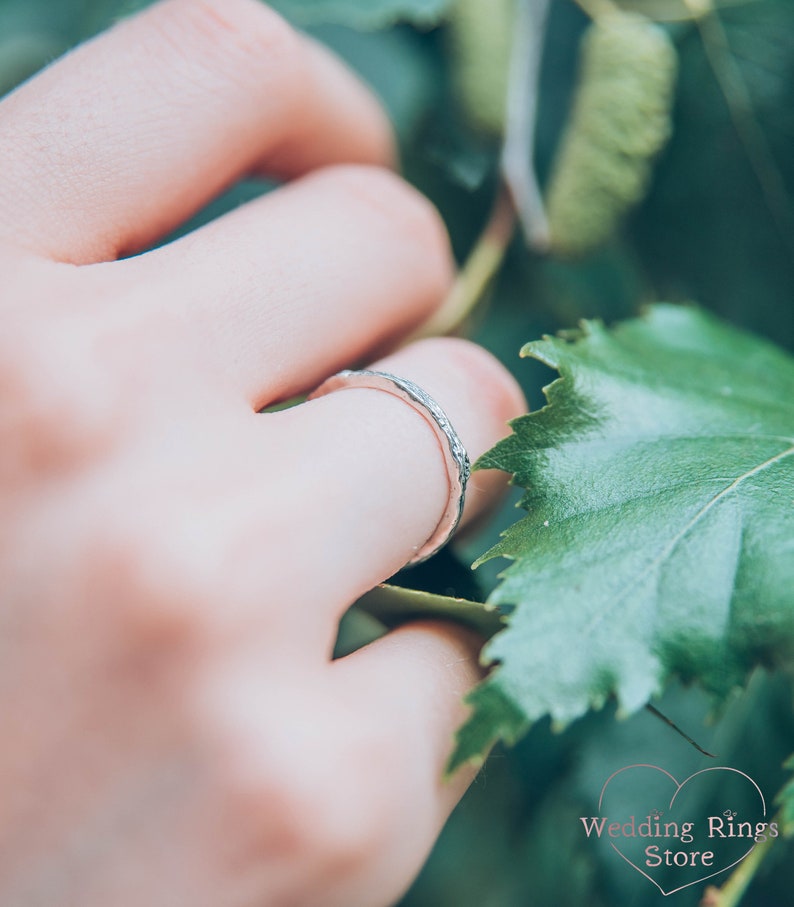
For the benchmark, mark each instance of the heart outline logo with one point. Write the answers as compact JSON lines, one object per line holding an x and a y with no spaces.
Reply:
{"x":679,"y":787}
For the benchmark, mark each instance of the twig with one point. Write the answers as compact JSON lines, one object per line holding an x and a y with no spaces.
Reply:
{"x":477,"y":272}
{"x":654,"y":711}
{"x":518,"y":167}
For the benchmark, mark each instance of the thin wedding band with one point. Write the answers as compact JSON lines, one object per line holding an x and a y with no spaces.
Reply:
{"x":456,"y":459}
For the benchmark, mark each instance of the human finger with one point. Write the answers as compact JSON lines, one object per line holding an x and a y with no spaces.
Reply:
{"x":285,"y":290}
{"x":146,"y":123}
{"x":408,"y":690}
{"x":371,"y":472}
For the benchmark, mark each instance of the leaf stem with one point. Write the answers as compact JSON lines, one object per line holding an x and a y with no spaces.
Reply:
{"x":394,"y":605}
{"x":478,"y":271}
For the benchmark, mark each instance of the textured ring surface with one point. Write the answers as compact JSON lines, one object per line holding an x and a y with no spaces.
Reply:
{"x":455,"y":457}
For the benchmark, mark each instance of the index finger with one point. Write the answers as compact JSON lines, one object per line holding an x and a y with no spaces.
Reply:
{"x":127,"y":136}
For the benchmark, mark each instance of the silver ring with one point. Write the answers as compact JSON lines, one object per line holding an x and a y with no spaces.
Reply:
{"x":456,"y":459}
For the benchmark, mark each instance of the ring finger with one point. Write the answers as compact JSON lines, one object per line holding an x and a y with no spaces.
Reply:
{"x":366,"y":474}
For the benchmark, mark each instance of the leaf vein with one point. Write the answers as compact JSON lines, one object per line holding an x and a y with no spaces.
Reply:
{"x":671,"y":545}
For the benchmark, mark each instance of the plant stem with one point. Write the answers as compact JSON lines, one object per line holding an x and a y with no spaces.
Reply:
{"x":519,"y":194}
{"x":518,"y":164}
{"x":479,"y":269}
{"x":394,"y":605}
{"x":733,"y":890}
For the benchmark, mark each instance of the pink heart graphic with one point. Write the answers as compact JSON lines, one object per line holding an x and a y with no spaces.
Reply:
{"x":678,"y":788}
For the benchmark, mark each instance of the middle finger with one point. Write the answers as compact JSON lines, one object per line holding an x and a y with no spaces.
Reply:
{"x":289,"y":288}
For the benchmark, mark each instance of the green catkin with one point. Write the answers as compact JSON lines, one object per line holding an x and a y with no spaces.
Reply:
{"x":620,"y":121}
{"x":481,"y":36}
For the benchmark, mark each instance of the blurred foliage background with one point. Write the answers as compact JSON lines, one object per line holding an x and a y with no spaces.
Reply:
{"x":716,"y":226}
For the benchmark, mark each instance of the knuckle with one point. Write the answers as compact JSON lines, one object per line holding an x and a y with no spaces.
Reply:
{"x":392,"y":200}
{"x":244,"y":37}
{"x":52,"y":401}
{"x":316,"y":807}
{"x":152,"y":583}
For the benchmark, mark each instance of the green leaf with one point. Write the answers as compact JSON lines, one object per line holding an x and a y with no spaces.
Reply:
{"x":659,"y":538}
{"x":363,"y":14}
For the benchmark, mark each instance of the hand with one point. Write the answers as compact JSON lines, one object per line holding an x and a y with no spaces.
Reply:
{"x":173,"y":564}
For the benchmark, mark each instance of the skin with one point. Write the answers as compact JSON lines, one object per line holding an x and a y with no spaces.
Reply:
{"x":173,"y":564}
